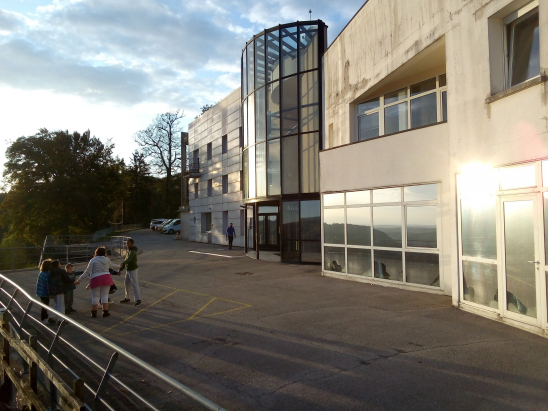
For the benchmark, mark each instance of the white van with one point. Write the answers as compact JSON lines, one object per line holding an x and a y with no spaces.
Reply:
{"x":173,"y":226}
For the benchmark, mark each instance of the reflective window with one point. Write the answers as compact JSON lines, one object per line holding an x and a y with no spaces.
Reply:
{"x":358,"y":197}
{"x":246,"y":174}
{"x":479,"y":283}
{"x":424,"y":192}
{"x":244,"y":74}
{"x":250,"y":68}
{"x":334,"y":259}
{"x":333,"y":226}
{"x":388,"y":265}
{"x":261,"y":169}
{"x":260,"y":113}
{"x":387,"y":195}
{"x":290,"y":239}
{"x":422,"y":268}
{"x":308,"y":44}
{"x":268,"y":209}
{"x":395,"y":96}
{"x":387,"y":226}
{"x":421,"y":227}
{"x":273,"y":56}
{"x":290,"y":113}
{"x":359,"y":261}
{"x":368,"y":105}
{"x":358,"y":226}
{"x":517,"y":177}
{"x":368,"y":126}
{"x":273,"y":110}
{"x":310,"y":108}
{"x":423,"y":86}
{"x":289,"y":51}
{"x":251,"y":157}
{"x":523,"y":48}
{"x":251,"y":119}
{"x":424,"y":110}
{"x":310,"y":158}
{"x":244,"y":121}
{"x":311,"y":252}
{"x":444,"y":105}
{"x":290,"y":162}
{"x":478,"y":223}
{"x":395,"y":118}
{"x":443,"y":80}
{"x":311,"y":220}
{"x":334,"y":199}
{"x":273,"y":167}
{"x":259,"y":61}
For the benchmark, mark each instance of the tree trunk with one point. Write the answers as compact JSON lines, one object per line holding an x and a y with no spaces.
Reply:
{"x":168,"y":193}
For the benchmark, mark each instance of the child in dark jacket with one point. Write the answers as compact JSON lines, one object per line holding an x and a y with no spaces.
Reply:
{"x":42,"y":289}
{"x":69,"y":294}
{"x":59,"y":281}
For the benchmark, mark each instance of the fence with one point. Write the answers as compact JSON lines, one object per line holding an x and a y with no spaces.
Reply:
{"x":38,"y":370}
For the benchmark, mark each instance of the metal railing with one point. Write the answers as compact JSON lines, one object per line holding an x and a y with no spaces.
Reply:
{"x":61,"y":351}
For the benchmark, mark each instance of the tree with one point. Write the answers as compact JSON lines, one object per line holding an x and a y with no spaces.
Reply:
{"x":140,"y":191}
{"x":160,"y":143}
{"x":60,"y":183}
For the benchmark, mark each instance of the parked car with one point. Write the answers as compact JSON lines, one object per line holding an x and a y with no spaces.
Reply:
{"x":170,"y":228}
{"x":156,"y":222}
{"x":160,"y":228}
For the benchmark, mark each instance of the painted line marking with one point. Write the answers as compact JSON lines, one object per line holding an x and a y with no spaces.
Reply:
{"x":218,"y":255}
{"x":201,"y":309}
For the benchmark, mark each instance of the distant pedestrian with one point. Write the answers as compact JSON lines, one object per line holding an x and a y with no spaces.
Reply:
{"x":59,"y":283}
{"x":131,"y":280}
{"x":42,"y":290}
{"x":230,"y":235}
{"x":98,"y":270}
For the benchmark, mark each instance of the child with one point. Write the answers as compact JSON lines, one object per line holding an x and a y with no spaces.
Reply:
{"x":42,"y":290}
{"x":69,"y":295}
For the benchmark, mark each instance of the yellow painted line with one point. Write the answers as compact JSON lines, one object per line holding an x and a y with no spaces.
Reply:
{"x":217,"y":255}
{"x":144,"y":309}
{"x":201,"y":309}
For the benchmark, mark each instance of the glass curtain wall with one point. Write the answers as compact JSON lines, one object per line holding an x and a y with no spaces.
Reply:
{"x":281,"y":106}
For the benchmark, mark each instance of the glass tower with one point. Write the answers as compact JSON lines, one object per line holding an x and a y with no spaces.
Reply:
{"x":282,"y":127}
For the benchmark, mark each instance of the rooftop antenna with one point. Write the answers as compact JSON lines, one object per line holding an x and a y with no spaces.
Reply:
{"x":310,"y":12}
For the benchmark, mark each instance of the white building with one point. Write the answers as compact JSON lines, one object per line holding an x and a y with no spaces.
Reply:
{"x":434,"y":173}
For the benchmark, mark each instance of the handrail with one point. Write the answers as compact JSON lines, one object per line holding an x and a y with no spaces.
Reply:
{"x":121,"y":352}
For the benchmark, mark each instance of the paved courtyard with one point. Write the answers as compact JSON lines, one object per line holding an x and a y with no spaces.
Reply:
{"x":286,"y":338}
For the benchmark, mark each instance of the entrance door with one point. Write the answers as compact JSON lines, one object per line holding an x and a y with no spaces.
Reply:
{"x":268,"y":232}
{"x":521,"y":272}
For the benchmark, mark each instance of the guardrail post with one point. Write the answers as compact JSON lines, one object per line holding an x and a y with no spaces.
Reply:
{"x":25,"y":316}
{"x":11,"y":299}
{"x":79,"y":388}
{"x":53,"y":388}
{"x":33,"y":368}
{"x":104,"y":381}
{"x":6,"y":387}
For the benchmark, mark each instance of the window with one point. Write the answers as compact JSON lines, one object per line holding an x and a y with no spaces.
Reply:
{"x":522,"y":44}
{"x":225,"y":221}
{"x":196,"y":191}
{"x":209,"y":151}
{"x":206,"y":222}
{"x":241,"y":137}
{"x":418,"y":105}
{"x":224,"y":144}
{"x":241,"y":180}
{"x":196,"y":157}
{"x":389,"y":233}
{"x":225,"y":184}
{"x":209,"y":187}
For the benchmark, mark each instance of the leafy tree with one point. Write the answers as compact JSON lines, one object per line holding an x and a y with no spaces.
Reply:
{"x":140,"y":189}
{"x":160,"y":143}
{"x":60,"y":183}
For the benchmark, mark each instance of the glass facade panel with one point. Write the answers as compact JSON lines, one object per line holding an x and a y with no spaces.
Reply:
{"x":244,"y":121}
{"x":290,"y":112}
{"x":423,"y":86}
{"x":273,"y":110}
{"x":310,"y":167}
{"x":308,"y":44}
{"x":387,"y":195}
{"x":395,"y":118}
{"x":261,"y":169}
{"x":359,"y":261}
{"x":368,"y":105}
{"x":290,"y":165}
{"x":395,"y":96}
{"x":251,"y":120}
{"x":358,"y":226}
{"x":358,"y":197}
{"x":424,"y":110}
{"x":426,"y":192}
{"x":259,"y":62}
{"x":246,"y":174}
{"x":388,"y":265}
{"x":252,"y":175}
{"x":290,"y":230}
{"x":310,"y":108}
{"x":421,"y":227}
{"x":334,"y":199}
{"x":273,"y":167}
{"x":272,"y":55}
{"x":244,"y":74}
{"x":478,"y":222}
{"x":334,"y":259}
{"x":422,"y":268}
{"x":443,"y":80}
{"x":387,"y":226}
{"x":444,"y":105}
{"x":479,"y":283}
{"x":260,"y":114}
{"x":368,"y":126}
{"x":289,"y":51}
{"x":311,"y":220}
{"x":333,"y":226}
{"x":268,"y":209}
{"x":311,"y":252}
{"x":250,"y":68}
{"x":524,"y":49}
{"x":517,"y":177}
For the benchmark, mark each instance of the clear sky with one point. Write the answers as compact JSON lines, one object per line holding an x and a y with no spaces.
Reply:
{"x":111,"y":65}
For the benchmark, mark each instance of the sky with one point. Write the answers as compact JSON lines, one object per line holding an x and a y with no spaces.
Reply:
{"x":111,"y":65}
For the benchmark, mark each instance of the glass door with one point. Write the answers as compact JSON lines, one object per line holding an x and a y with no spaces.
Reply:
{"x":268,"y":232}
{"x":521,"y":272}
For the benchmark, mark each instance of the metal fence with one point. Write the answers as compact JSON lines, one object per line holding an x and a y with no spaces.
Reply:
{"x":112,"y":377}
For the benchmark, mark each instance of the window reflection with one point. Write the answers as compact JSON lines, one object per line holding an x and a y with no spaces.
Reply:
{"x":478,"y":224}
{"x":244,"y":74}
{"x":334,"y":199}
{"x":523,"y":38}
{"x":333,"y":226}
{"x":517,"y":177}
{"x":259,"y":61}
{"x":290,"y":161}
{"x":289,"y":51}
{"x":387,"y":226}
{"x":311,"y":220}
{"x":251,"y":119}
{"x":310,"y":168}
{"x":480,"y":283}
{"x":358,"y":226}
{"x":260,"y":121}
{"x":424,"y":110}
{"x":290,"y":113}
{"x":387,"y":195}
{"x":358,"y":197}
{"x":359,"y":261}
{"x":334,"y":259}
{"x":368,"y":126}
{"x":252,"y":191}
{"x":250,"y":68}
{"x":422,"y":268}
{"x":388,"y":265}
{"x":426,"y":192}
{"x":273,"y":110}
{"x":261,"y":169}
{"x":273,"y":56}
{"x":395,"y":118}
{"x":274,"y":168}
{"x":290,"y":239}
{"x":310,"y":111}
{"x":308,"y":44}
{"x":421,"y":227}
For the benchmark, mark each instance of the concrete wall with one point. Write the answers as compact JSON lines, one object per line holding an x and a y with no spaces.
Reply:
{"x":222,"y":119}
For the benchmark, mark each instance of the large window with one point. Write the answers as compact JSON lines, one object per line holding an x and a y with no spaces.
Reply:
{"x":389,"y":234}
{"x":418,"y":105}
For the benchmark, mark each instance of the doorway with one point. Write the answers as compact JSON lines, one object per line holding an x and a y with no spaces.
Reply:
{"x":268,"y":228}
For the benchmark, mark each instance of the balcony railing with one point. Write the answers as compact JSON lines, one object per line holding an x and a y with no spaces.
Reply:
{"x":194,"y":170}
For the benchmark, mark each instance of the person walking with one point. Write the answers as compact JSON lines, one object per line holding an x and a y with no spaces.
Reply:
{"x":42,"y":290}
{"x":101,"y":280}
{"x":59,"y":283}
{"x":230,"y":235}
{"x":131,"y":280}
